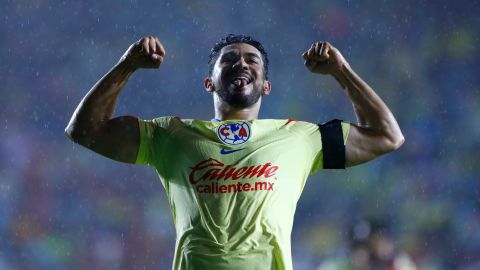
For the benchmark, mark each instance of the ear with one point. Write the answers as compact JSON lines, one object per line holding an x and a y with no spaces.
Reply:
{"x":267,"y":87}
{"x":209,"y":86}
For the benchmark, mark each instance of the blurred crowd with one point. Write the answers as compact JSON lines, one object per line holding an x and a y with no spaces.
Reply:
{"x":64,"y":207}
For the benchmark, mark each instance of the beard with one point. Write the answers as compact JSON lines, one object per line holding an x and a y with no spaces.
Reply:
{"x":237,"y":98}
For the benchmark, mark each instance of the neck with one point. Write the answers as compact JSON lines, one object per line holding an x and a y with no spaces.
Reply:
{"x":223,"y":111}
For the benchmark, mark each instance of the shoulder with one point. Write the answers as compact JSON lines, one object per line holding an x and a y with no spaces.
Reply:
{"x":298,"y":126}
{"x":159,"y":125}
{"x":168,"y":122}
{"x":284,"y":123}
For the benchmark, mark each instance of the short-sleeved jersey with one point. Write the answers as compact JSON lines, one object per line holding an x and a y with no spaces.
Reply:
{"x":232,"y":186}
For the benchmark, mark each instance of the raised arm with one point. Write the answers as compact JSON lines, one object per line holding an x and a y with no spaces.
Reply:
{"x":92,"y":124}
{"x":377,"y":131}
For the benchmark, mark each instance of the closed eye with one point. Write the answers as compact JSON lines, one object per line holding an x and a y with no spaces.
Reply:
{"x":228,"y":57}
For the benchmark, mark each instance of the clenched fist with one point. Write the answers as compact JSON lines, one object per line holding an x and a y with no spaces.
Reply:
{"x":148,"y":52}
{"x":323,"y":58}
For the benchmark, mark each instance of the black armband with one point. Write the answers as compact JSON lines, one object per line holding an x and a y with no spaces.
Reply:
{"x":332,"y":145}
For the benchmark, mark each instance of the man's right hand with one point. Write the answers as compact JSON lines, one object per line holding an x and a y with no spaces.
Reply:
{"x":92,"y":124}
{"x":148,"y":52}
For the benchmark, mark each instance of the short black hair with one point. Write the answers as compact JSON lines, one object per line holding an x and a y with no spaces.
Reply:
{"x":231,"y":39}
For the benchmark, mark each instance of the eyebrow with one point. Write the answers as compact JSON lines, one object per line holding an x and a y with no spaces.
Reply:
{"x":251,"y":54}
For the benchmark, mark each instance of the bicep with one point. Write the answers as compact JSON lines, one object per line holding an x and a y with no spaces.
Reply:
{"x":117,"y":138}
{"x":364,"y":144}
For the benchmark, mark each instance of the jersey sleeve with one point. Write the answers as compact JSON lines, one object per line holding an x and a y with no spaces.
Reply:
{"x":153,"y":133}
{"x":318,"y":147}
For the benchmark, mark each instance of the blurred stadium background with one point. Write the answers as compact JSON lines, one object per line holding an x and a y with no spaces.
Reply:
{"x":64,"y":207}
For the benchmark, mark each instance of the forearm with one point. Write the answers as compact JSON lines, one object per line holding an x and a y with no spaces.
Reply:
{"x":371,"y":111}
{"x":99,"y":103}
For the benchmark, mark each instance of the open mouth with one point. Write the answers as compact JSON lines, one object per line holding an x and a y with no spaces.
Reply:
{"x":241,"y":81}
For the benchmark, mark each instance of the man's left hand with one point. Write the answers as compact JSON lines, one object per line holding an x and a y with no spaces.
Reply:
{"x":323,"y":58}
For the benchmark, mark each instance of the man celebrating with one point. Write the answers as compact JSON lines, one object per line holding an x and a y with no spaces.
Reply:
{"x":233,"y":182}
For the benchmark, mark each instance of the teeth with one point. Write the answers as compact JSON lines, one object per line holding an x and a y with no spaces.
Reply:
{"x":246,"y":79}
{"x":240,"y":82}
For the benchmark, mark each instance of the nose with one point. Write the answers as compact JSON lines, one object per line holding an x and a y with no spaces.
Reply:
{"x":241,"y":64}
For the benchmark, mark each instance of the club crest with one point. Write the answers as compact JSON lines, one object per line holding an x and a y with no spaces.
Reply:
{"x":234,"y":133}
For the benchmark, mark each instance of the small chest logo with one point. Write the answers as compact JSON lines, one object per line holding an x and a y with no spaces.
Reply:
{"x":234,"y":133}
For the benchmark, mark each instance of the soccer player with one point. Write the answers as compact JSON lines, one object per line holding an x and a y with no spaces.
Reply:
{"x":233,"y":182}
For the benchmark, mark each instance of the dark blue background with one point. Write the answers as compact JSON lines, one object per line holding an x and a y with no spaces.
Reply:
{"x":64,"y":207}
